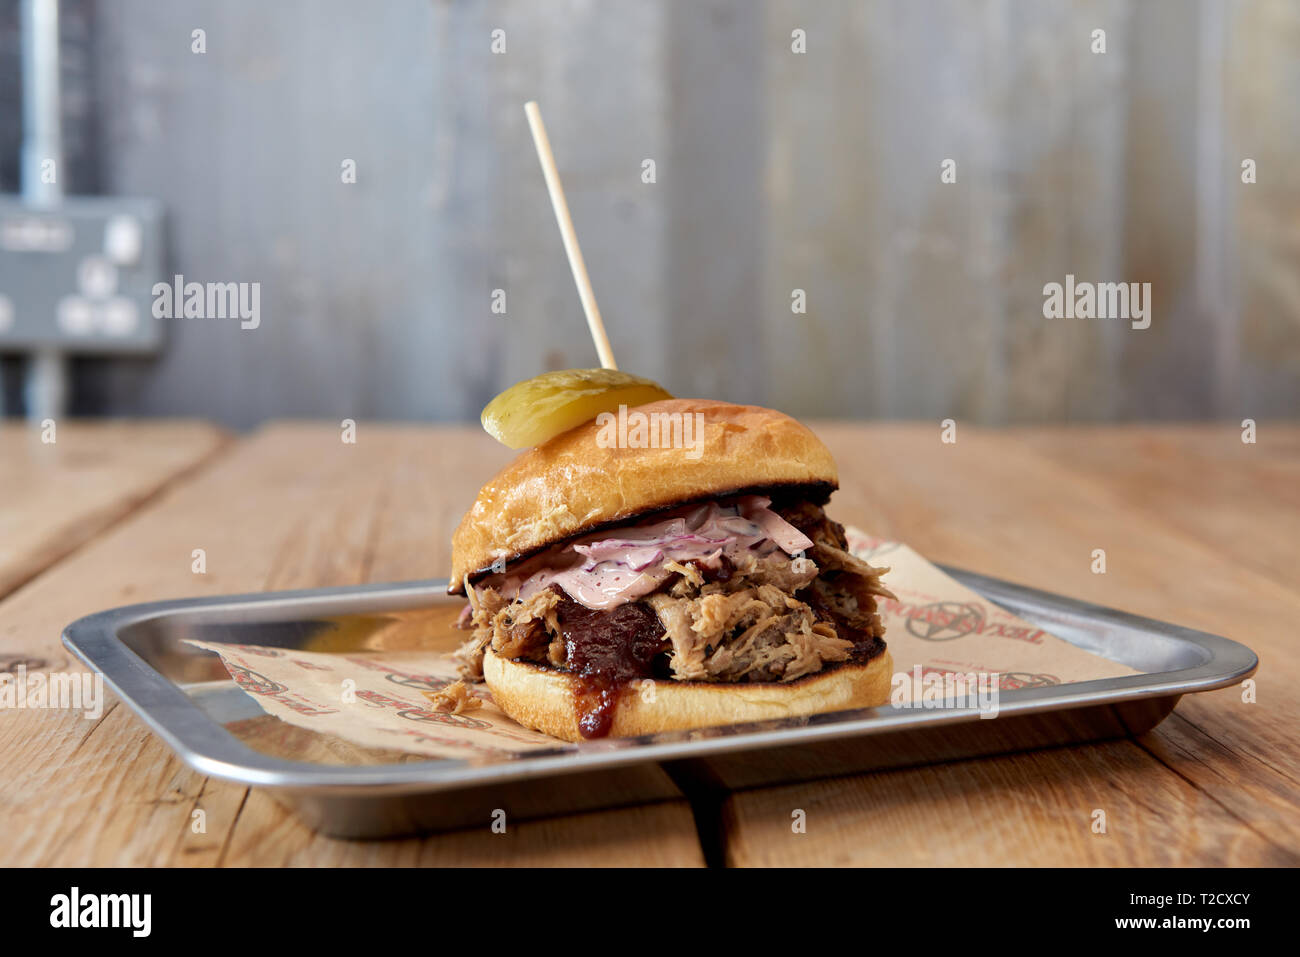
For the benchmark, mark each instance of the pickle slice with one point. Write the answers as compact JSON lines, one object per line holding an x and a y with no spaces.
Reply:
{"x":530,"y":412}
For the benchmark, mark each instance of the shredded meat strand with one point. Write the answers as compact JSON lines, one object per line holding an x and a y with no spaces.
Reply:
{"x":455,"y":698}
{"x":774,"y":618}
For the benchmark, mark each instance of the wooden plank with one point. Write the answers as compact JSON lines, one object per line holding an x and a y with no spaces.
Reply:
{"x":384,"y":290}
{"x":653,"y":835}
{"x":291,"y":507}
{"x":776,"y":170}
{"x":1032,"y":808}
{"x":1259,"y":312}
{"x":989,"y":503}
{"x":1240,"y":499}
{"x":294,"y":507}
{"x":925,"y":297}
{"x":54,"y":496}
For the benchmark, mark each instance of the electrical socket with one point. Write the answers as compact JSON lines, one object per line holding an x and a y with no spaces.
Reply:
{"x":78,"y":277}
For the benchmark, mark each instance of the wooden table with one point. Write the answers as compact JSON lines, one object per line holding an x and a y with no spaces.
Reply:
{"x":1198,"y":528}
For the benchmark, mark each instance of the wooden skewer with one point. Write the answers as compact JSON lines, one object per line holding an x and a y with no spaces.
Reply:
{"x":570,"y":237}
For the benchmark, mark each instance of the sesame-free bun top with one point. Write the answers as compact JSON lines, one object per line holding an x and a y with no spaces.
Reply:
{"x":572,"y":483}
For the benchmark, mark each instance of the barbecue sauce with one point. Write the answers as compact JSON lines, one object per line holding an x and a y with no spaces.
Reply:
{"x":606,"y":649}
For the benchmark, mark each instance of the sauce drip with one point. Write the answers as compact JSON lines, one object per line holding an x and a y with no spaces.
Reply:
{"x":605,"y":650}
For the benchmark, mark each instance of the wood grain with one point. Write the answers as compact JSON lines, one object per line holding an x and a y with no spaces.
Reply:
{"x":1202,"y":480}
{"x":1195,"y":531}
{"x":1033,"y":808}
{"x":991,"y":502}
{"x":55,"y":496}
{"x":290,"y":507}
{"x":776,"y":170}
{"x":653,"y":835}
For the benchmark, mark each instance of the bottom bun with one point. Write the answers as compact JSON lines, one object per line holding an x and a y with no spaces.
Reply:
{"x":543,"y":699}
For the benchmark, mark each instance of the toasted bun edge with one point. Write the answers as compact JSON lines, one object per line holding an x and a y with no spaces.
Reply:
{"x":543,"y":698}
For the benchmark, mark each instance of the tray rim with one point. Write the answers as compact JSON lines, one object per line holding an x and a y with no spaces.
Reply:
{"x":207,"y":747}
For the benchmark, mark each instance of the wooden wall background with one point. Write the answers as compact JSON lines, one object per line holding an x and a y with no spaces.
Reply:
{"x":774,"y":171}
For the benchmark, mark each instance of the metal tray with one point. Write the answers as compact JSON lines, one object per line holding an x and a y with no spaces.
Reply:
{"x":186,"y":697}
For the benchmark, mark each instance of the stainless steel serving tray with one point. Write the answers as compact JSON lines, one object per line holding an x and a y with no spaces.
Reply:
{"x":186,"y":697}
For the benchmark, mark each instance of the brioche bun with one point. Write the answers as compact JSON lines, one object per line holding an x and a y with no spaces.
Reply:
{"x":543,"y":698}
{"x":571,"y":484}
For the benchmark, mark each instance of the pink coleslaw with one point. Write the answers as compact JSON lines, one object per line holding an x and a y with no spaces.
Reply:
{"x":606,"y":569}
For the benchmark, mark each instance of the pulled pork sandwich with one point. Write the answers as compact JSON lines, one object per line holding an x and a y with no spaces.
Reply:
{"x":624,"y":591}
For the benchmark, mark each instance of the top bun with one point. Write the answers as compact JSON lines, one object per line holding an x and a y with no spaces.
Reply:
{"x":572,"y":484}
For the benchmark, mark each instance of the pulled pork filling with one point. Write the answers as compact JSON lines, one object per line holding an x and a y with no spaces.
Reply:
{"x":732,"y":591}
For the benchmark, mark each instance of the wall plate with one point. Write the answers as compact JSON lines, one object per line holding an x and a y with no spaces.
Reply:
{"x":79,"y":276}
